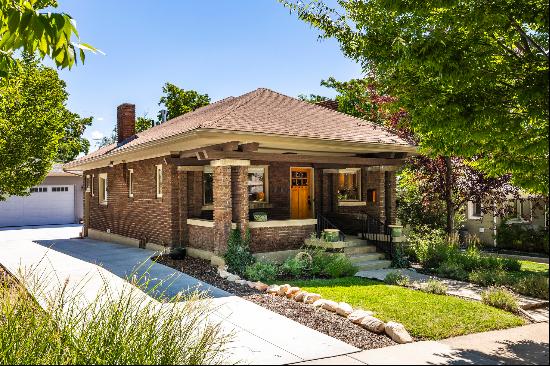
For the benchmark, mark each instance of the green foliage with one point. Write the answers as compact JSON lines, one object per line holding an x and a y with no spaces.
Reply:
{"x":463,"y":70}
{"x":73,"y":144}
{"x":400,"y":257}
{"x":238,"y":255}
{"x":178,"y":101}
{"x":434,"y":286}
{"x":522,"y":238}
{"x":297,"y":267}
{"x":488,"y":277}
{"x":262,"y":271}
{"x":36,"y":128}
{"x":533,"y":285}
{"x":396,"y":278}
{"x":452,"y":270}
{"x":143,"y":123}
{"x":126,"y":329}
{"x":30,"y":26}
{"x":331,"y":265}
{"x":432,"y":248}
{"x":500,"y":297}
{"x":312,"y":98}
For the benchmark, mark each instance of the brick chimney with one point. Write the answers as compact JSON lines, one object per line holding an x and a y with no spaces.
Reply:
{"x":125,"y":121}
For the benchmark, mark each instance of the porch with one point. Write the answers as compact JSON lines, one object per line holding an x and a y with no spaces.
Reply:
{"x":281,"y":198}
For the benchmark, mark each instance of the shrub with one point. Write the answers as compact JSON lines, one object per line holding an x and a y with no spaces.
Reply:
{"x":238,"y":255}
{"x":512,"y":265}
{"x":400,"y":258}
{"x":450,"y":269}
{"x":262,"y":271}
{"x":533,"y":285}
{"x":331,"y":265}
{"x":298,"y":266}
{"x":396,"y":278}
{"x":434,"y":286}
{"x":121,"y":330}
{"x":522,"y":238}
{"x":432,"y":248}
{"x":489,"y":277}
{"x":500,"y":297}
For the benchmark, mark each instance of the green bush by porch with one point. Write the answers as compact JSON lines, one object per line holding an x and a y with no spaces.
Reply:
{"x":426,"y":316}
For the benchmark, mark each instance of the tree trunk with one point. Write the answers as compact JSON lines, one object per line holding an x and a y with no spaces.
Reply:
{"x":449,"y":194}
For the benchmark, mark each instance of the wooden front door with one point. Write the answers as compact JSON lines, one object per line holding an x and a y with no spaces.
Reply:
{"x":301,"y":193}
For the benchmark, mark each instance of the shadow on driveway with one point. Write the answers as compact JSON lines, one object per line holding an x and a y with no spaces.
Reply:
{"x":132,"y":263}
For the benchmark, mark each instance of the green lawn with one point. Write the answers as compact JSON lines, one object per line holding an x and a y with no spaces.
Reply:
{"x":534,"y":267}
{"x":425,"y":316}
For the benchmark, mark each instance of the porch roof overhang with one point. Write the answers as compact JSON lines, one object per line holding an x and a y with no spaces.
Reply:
{"x":206,"y":144}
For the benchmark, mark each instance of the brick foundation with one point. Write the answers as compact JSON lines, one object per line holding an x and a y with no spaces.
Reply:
{"x":272,"y":239}
{"x":201,"y":238}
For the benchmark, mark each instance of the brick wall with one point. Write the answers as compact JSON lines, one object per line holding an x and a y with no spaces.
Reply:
{"x":201,"y":238}
{"x":272,"y":239}
{"x":143,"y":216}
{"x":222,"y":207}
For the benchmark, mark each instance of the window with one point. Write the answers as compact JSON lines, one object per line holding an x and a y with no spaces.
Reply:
{"x":256,"y":185}
{"x":159,"y":181}
{"x":103,"y":188}
{"x":130,"y":182}
{"x":371,"y":195}
{"x":257,"y":190}
{"x":39,"y":189}
{"x":88,"y":183}
{"x":208,"y":187}
{"x":92,"y":185}
{"x":349,"y":185}
{"x":475,"y":209}
{"x":60,"y":189}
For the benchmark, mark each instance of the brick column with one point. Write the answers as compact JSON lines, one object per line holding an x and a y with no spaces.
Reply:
{"x":391,"y":190}
{"x":182,"y":208}
{"x":223,"y":207}
{"x":239,"y":195}
{"x":224,"y":169}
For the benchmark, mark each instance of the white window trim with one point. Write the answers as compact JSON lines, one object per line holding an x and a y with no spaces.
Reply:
{"x":92,"y":185}
{"x":105,"y":193}
{"x":471,"y":208}
{"x":130,"y":183}
{"x":159,"y":181}
{"x":88,"y":183}
{"x":359,"y":183}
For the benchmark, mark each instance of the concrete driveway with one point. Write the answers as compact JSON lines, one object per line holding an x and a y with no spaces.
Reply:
{"x":261,"y":336}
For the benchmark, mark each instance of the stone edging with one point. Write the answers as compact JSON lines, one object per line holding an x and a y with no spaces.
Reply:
{"x":365,"y":319}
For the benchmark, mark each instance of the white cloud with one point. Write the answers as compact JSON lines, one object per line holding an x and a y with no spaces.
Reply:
{"x":97,"y":135}
{"x":100,"y":118}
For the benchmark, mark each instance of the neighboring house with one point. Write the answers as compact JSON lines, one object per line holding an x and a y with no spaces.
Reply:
{"x":57,"y":200}
{"x":192,"y":179}
{"x":525,"y":210}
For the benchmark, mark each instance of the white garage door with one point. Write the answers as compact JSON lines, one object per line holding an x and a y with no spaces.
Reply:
{"x":47,"y":204}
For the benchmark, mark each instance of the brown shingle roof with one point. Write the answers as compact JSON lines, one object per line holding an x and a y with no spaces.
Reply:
{"x":267,"y":112}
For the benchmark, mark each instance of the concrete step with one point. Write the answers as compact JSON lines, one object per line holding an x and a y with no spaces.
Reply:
{"x":362,"y":249}
{"x":372,"y":265}
{"x":352,"y":243}
{"x":359,"y":258}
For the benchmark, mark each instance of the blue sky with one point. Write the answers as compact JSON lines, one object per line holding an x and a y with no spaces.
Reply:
{"x":218,"y":47}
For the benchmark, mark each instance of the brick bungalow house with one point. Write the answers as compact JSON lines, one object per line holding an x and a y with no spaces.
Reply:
{"x":189,"y":181}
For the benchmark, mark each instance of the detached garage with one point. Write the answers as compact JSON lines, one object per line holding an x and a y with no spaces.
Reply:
{"x":58,"y":200}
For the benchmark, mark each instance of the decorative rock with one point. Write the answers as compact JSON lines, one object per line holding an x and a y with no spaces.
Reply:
{"x":330,"y":305}
{"x":398,"y":333}
{"x":283,"y":289}
{"x":291,"y":292}
{"x":251,"y":284}
{"x":241,"y":282}
{"x":233,"y":278}
{"x":311,"y":298}
{"x":358,"y":315}
{"x":373,"y":324}
{"x":344,"y":309}
{"x":223,"y":273}
{"x":273,"y":289}
{"x":299,"y":296}
{"x":261,"y":286}
{"x":319,"y":303}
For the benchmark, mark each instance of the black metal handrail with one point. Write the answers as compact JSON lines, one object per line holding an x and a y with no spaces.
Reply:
{"x":372,"y":225}
{"x":324,"y":223}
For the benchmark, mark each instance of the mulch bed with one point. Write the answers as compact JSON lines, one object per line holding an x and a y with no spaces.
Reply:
{"x":318,"y":319}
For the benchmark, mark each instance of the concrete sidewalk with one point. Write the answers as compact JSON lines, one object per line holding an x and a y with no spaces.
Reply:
{"x":261,"y":336}
{"x":515,"y":346}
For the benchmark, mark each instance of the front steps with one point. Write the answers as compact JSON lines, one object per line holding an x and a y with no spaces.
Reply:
{"x":363,"y":255}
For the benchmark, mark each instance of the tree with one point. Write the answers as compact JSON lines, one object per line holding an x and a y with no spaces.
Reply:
{"x":473,"y":74}
{"x":25,"y":27}
{"x":178,"y":101}
{"x":33,"y":124}
{"x":431,"y":189}
{"x":312,"y":98}
{"x":73,"y":144}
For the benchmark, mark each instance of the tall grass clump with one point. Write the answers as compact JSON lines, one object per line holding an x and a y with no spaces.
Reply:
{"x":118,"y":327}
{"x":500,"y":297}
